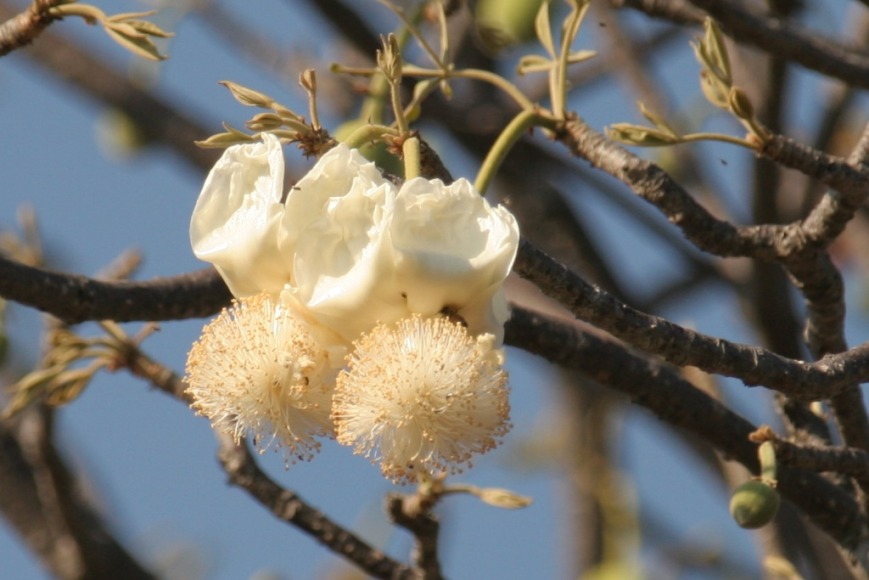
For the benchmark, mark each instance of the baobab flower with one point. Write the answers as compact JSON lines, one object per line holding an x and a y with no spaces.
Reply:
{"x":422,"y":396}
{"x":259,"y":369}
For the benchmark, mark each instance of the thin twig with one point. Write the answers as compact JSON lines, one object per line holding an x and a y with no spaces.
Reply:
{"x":415,"y":516}
{"x":287,"y":506}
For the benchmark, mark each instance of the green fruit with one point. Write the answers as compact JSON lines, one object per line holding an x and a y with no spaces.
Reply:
{"x":502,"y":23}
{"x":754,"y":504}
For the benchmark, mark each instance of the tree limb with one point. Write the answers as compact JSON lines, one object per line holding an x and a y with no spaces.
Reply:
{"x":659,"y":388}
{"x":20,"y":29}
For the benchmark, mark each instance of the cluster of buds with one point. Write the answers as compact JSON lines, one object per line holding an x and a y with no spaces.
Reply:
{"x":365,"y":311}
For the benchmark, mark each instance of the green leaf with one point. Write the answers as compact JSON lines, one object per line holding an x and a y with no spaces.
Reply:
{"x":656,"y":119}
{"x":149,"y":28}
{"x":580,"y":56}
{"x":544,"y":29}
{"x":531,"y":63}
{"x":136,"y":43}
{"x":248,"y":97}
{"x":715,"y":91}
{"x":232,"y":136}
{"x":130,"y":15}
{"x":641,"y":136}
{"x":264,"y":122}
{"x":716,"y":50}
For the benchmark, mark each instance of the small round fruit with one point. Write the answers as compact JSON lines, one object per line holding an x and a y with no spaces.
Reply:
{"x":754,"y":504}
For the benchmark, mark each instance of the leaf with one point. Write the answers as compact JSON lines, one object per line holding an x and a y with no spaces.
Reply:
{"x":655,"y":119}
{"x":544,"y":28}
{"x":580,"y":56}
{"x":149,"y":28}
{"x":531,"y":63}
{"x":125,"y":29}
{"x":264,"y":122}
{"x":715,"y":91}
{"x":246,"y":96}
{"x":503,"y":498}
{"x":716,"y":50}
{"x":138,"y":44}
{"x":232,"y":136}
{"x":641,"y":136}
{"x":130,"y":15}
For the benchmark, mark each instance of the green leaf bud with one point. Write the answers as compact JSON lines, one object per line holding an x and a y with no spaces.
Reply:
{"x":248,"y":97}
{"x":740,"y":103}
{"x":641,"y":136}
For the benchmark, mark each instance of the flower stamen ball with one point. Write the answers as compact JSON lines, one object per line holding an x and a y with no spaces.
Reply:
{"x":422,"y":396}
{"x":258,"y":369}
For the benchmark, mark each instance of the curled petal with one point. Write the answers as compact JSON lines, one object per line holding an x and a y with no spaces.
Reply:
{"x":333,"y":234}
{"x":237,"y":216}
{"x":453,"y":250}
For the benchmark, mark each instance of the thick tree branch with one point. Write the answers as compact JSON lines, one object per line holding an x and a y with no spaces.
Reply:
{"x":773,"y":35}
{"x":681,"y":346}
{"x":847,"y":460}
{"x":74,"y":298}
{"x":719,"y":237}
{"x":676,"y":11}
{"x":658,"y":387}
{"x":203,"y":293}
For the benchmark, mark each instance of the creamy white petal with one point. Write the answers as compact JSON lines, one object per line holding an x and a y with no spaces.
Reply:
{"x":332,"y":232}
{"x":453,"y":250}
{"x":237,"y":216}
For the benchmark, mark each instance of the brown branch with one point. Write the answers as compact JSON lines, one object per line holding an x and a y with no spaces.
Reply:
{"x":203,"y":293}
{"x":21,"y":29}
{"x":772,"y":35}
{"x":847,"y":460}
{"x":782,"y":39}
{"x":413,"y":513}
{"x":287,"y":506}
{"x":676,"y":11}
{"x":42,"y":500}
{"x":681,"y":346}
{"x":243,"y":471}
{"x":719,"y":237}
{"x":659,"y":388}
{"x":74,"y":298}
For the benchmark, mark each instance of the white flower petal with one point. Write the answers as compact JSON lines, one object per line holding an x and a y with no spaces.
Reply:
{"x":452,"y":250}
{"x":332,"y":233}
{"x":237,"y":216}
